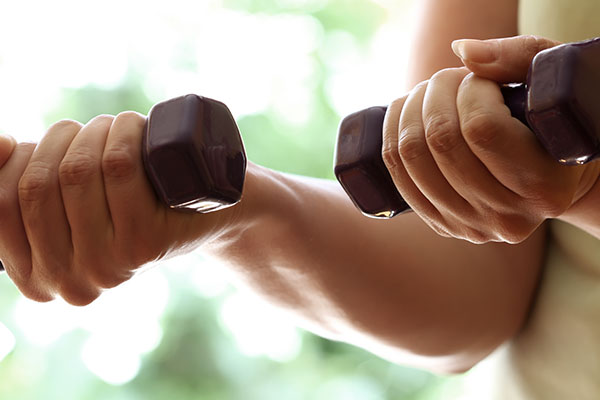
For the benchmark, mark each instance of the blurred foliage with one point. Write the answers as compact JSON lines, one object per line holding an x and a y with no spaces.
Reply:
{"x":197,"y":358}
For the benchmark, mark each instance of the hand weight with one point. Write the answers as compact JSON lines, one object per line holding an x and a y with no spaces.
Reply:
{"x":193,"y":154}
{"x":559,"y":102}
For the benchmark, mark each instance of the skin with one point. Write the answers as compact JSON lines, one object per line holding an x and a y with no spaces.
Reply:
{"x":78,"y":217}
{"x":455,"y":128}
{"x":441,"y":22}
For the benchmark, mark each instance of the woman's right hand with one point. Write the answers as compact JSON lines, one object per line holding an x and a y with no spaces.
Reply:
{"x":79,"y":215}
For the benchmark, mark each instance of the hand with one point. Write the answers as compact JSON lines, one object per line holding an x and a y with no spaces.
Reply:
{"x":463,"y":164}
{"x":78,"y":214}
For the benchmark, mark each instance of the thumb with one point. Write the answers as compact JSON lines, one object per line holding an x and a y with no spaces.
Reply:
{"x":7,"y":145}
{"x":502,"y":60}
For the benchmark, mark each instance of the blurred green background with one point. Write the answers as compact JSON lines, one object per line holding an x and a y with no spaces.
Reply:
{"x":289,"y":70}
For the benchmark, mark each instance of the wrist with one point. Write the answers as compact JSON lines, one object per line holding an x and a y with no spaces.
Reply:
{"x":584,"y":212}
{"x":259,"y":201}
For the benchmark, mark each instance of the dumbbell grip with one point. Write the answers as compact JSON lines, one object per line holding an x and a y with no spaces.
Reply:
{"x":359,"y":166}
{"x":193,"y":154}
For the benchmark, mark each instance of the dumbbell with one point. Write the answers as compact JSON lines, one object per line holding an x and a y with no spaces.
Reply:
{"x":559,"y":102}
{"x":193,"y":154}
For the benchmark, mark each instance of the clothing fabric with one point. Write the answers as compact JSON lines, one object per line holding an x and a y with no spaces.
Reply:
{"x":557,"y":355}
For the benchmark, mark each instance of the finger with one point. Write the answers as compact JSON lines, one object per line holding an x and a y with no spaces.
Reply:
{"x":82,"y":188}
{"x":393,"y":162}
{"x":14,"y":246}
{"x":132,"y":203}
{"x":463,"y":171}
{"x":7,"y":145}
{"x":42,"y":208}
{"x":418,"y":161}
{"x":505,"y":146}
{"x":392,"y":159}
{"x":501,"y":60}
{"x":391,"y":126}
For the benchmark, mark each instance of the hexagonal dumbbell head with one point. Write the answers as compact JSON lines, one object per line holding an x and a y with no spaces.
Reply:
{"x":359,"y":166}
{"x":193,"y":154}
{"x":563,"y":100}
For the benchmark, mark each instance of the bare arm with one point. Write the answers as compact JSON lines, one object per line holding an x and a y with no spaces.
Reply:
{"x":442,"y":21}
{"x":393,"y":287}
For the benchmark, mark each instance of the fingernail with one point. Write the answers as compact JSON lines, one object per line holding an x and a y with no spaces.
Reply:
{"x":479,"y":51}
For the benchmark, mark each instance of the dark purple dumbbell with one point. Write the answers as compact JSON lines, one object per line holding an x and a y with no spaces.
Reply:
{"x":359,"y":167}
{"x":193,"y":154}
{"x":560,"y":103}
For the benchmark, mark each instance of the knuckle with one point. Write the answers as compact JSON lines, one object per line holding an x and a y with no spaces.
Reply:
{"x":514,"y":237}
{"x":102,"y":119}
{"x":449,"y":73}
{"x":6,"y":197}
{"x":390,"y":156}
{"x":441,"y":232}
{"x":480,"y":130}
{"x":130,"y":117}
{"x":26,"y":147}
{"x":439,"y":229}
{"x":36,"y":295}
{"x":546,"y":202}
{"x":532,"y":44}
{"x":98,"y":269}
{"x":410,"y":147}
{"x":77,"y":169}
{"x":142,"y":253}
{"x":398,"y":103}
{"x":66,"y":124}
{"x":130,"y":255}
{"x":118,"y":164}
{"x":420,"y":86}
{"x":32,"y":290}
{"x":106,"y":278}
{"x":35,"y":184}
{"x":512,"y":228}
{"x":441,"y":134}
{"x":477,"y":236}
{"x":106,"y":281}
{"x":80,"y":299}
{"x":78,"y":294}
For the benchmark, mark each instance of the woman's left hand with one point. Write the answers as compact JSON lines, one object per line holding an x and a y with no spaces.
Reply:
{"x":464,"y":164}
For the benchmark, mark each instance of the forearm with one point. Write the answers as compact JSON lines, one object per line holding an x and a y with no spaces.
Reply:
{"x":442,"y":21}
{"x":393,"y":287}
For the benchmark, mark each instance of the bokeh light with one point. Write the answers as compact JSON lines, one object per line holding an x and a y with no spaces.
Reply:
{"x":258,"y":329}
